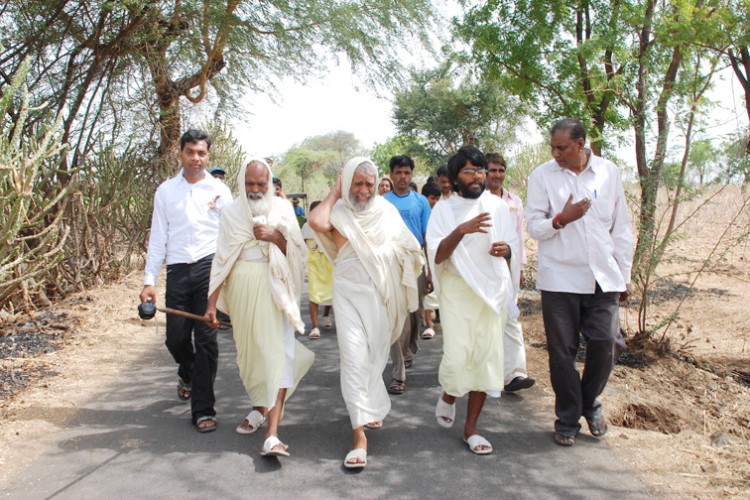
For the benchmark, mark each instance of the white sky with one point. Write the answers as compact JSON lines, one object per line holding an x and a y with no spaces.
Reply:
{"x":315,"y":108}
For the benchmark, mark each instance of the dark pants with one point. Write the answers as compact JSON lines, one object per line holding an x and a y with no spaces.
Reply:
{"x":596,"y":317}
{"x":187,"y":290}
{"x":407,"y":344}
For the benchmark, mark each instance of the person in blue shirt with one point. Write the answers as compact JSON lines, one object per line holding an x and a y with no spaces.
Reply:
{"x":298,"y":210}
{"x":415,"y":211}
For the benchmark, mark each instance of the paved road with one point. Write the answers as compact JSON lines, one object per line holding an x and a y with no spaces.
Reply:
{"x":140,"y":444}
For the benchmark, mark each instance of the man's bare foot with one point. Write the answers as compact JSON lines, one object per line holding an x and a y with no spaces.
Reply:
{"x":354,"y":460}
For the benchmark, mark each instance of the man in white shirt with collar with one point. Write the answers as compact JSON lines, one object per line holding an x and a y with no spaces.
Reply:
{"x":576,"y":210}
{"x":514,"y":350}
{"x":184,"y":229}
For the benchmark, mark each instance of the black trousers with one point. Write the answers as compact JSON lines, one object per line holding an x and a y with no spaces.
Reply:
{"x":192,"y":343}
{"x":596,"y":316}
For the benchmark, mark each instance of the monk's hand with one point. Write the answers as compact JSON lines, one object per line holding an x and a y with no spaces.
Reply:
{"x":210,"y":316}
{"x":148,"y":294}
{"x":264,"y":232}
{"x":428,"y":286}
{"x":574,"y":211}
{"x":337,"y":187}
{"x":500,"y":249}
{"x":476,"y":225}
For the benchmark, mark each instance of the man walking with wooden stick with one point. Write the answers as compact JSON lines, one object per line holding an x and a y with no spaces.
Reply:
{"x":184,"y":229}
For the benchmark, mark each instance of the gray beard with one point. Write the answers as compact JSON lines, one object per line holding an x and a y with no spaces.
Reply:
{"x":258,"y":206}
{"x":360,"y":207}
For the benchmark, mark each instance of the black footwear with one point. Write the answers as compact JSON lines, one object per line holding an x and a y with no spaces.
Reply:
{"x":597,"y":425}
{"x":408,"y":363}
{"x":519,"y":383}
{"x":563,"y":439}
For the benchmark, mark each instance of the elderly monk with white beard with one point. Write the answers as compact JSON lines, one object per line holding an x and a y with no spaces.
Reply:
{"x":256,"y":278}
{"x":376,"y":263}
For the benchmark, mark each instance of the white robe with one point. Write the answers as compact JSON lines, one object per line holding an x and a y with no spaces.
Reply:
{"x":477,"y":296}
{"x":375,"y":287}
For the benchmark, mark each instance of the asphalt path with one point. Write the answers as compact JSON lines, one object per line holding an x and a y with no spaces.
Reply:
{"x":140,"y":444}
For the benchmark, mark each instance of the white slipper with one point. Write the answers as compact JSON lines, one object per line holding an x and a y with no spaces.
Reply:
{"x":428,"y":333}
{"x":315,"y":333}
{"x":273,"y":447}
{"x":445,"y":413}
{"x":327,"y":323}
{"x":356,"y":454}
{"x":255,"y":419}
{"x":475,"y":441}
{"x":374,"y":425}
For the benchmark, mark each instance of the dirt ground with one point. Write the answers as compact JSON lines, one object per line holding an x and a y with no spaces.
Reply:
{"x":682,"y":419}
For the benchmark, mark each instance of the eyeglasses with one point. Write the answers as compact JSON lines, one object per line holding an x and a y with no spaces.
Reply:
{"x":473,"y":171}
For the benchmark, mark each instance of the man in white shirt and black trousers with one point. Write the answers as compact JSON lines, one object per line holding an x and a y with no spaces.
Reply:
{"x":184,"y":229}
{"x":576,"y":210}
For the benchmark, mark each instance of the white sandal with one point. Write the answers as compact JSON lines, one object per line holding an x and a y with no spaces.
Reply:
{"x":255,"y":419}
{"x":445,"y":413}
{"x":315,"y":333}
{"x":327,"y":323}
{"x":475,"y":441}
{"x":270,"y":448}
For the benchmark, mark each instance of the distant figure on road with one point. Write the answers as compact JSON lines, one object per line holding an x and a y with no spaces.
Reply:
{"x":257,"y":277}
{"x":444,"y":182}
{"x":576,"y":209}
{"x":218,"y":173}
{"x":374,"y":254}
{"x":184,"y":228}
{"x":319,"y":280}
{"x":516,"y":376}
{"x":473,"y":249}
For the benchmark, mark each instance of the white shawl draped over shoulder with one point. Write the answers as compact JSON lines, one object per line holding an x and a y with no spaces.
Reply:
{"x":287,"y":272}
{"x":489,"y":277}
{"x":388,"y":250}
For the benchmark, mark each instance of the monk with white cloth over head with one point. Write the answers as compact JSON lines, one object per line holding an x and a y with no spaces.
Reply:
{"x":256,"y":277}
{"x":376,"y":263}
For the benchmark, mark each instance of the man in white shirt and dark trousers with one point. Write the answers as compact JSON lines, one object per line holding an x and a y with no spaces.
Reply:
{"x":184,"y":230}
{"x":576,"y":210}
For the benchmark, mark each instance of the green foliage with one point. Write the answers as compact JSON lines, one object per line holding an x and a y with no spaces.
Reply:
{"x":424,"y":159}
{"x":443,"y":113}
{"x":105,"y":62}
{"x":226,"y":152}
{"x":735,"y":159}
{"x":522,"y":162}
{"x":312,"y":166}
{"x":33,"y":204}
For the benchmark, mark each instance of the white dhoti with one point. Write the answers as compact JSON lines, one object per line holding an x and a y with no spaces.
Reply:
{"x":364,"y":335}
{"x":268,"y":356}
{"x":514,"y":350}
{"x":472,"y":340}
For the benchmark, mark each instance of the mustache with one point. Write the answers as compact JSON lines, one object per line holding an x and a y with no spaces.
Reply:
{"x":255,"y":196}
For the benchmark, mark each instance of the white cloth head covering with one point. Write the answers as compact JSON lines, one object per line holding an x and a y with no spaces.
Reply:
{"x":287,"y":272}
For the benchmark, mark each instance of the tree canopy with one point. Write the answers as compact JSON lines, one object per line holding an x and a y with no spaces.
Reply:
{"x":110,"y":66}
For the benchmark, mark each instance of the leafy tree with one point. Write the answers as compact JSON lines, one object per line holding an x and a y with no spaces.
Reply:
{"x":612,"y":64}
{"x":425,"y":160}
{"x":107,"y":63}
{"x":444,"y":115}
